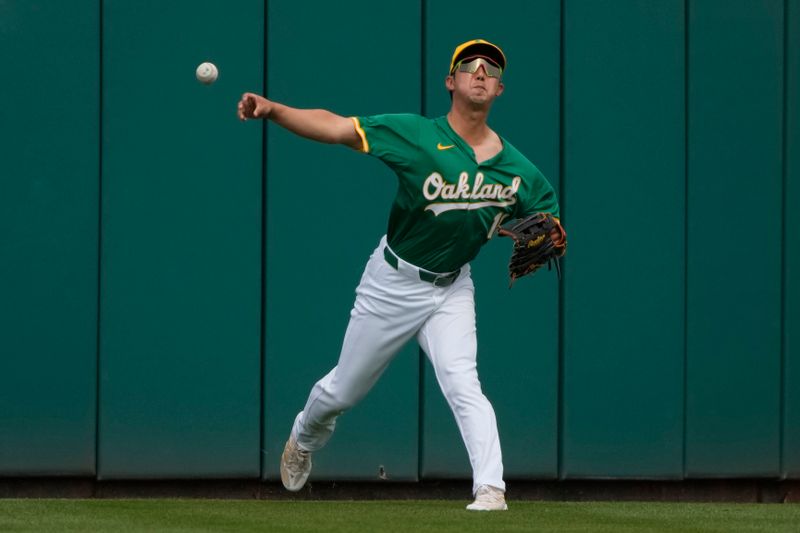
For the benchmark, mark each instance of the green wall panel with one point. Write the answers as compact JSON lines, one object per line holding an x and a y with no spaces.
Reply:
{"x":181,"y":241}
{"x":624,"y":170}
{"x":791,"y":244}
{"x":48,"y":236}
{"x":672,"y":350}
{"x":734,"y":310}
{"x":520,"y":381}
{"x":340,"y":59}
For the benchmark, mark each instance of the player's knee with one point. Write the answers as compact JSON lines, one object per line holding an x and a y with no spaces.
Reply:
{"x":343,"y":401}
{"x":464,"y":394}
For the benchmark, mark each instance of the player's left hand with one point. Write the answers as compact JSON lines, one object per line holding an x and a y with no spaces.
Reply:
{"x":557,"y":234}
{"x":539,"y":239}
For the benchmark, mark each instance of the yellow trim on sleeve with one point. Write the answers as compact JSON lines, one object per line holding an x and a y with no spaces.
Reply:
{"x":362,"y":134}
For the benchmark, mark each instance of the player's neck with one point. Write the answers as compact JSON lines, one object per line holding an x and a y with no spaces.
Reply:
{"x":469,"y":124}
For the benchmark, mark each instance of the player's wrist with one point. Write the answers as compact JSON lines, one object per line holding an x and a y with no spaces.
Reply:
{"x":271,"y":110}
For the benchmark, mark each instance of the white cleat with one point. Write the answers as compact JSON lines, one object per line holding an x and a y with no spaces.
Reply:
{"x":295,"y":466}
{"x":488,"y":498}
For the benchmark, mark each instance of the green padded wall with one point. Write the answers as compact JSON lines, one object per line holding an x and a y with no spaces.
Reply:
{"x":624,"y":179}
{"x":734,"y":155}
{"x":48,"y":236}
{"x":127,"y":172}
{"x":791,"y":246}
{"x":340,"y":59}
{"x":520,"y":382}
{"x":181,"y":242}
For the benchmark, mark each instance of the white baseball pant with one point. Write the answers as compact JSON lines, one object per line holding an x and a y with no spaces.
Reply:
{"x":391,"y":306}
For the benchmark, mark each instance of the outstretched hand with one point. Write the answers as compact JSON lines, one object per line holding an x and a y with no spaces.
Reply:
{"x":253,"y":106}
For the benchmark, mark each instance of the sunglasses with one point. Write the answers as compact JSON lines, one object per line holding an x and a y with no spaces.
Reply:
{"x":472,"y":65}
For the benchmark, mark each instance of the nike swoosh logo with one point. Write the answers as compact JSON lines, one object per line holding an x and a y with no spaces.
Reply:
{"x":440,"y":146}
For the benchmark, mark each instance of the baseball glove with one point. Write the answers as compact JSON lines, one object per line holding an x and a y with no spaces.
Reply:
{"x":534,"y":245}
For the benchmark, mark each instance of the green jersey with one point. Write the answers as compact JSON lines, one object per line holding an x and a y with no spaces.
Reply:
{"x":448,"y":205}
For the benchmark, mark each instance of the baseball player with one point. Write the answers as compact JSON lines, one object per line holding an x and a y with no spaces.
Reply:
{"x":458,"y":181}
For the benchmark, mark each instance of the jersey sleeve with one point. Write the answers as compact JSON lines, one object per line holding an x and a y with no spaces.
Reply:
{"x":540,"y":197}
{"x":394,"y":138}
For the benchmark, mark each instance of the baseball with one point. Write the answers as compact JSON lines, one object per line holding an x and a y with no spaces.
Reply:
{"x":207,"y":73}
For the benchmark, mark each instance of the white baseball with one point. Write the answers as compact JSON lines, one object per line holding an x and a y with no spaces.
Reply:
{"x":207,"y":73}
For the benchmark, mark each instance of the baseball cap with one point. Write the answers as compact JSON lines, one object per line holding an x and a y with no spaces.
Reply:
{"x":478,"y":48}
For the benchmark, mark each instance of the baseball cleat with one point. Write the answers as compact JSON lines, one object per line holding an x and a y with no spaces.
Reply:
{"x":295,"y":465}
{"x":488,"y":498}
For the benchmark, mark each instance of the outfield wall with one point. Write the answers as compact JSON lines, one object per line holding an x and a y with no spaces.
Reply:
{"x":173,"y":282}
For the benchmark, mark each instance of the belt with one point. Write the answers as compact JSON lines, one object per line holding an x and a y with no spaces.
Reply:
{"x":437,"y":280}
